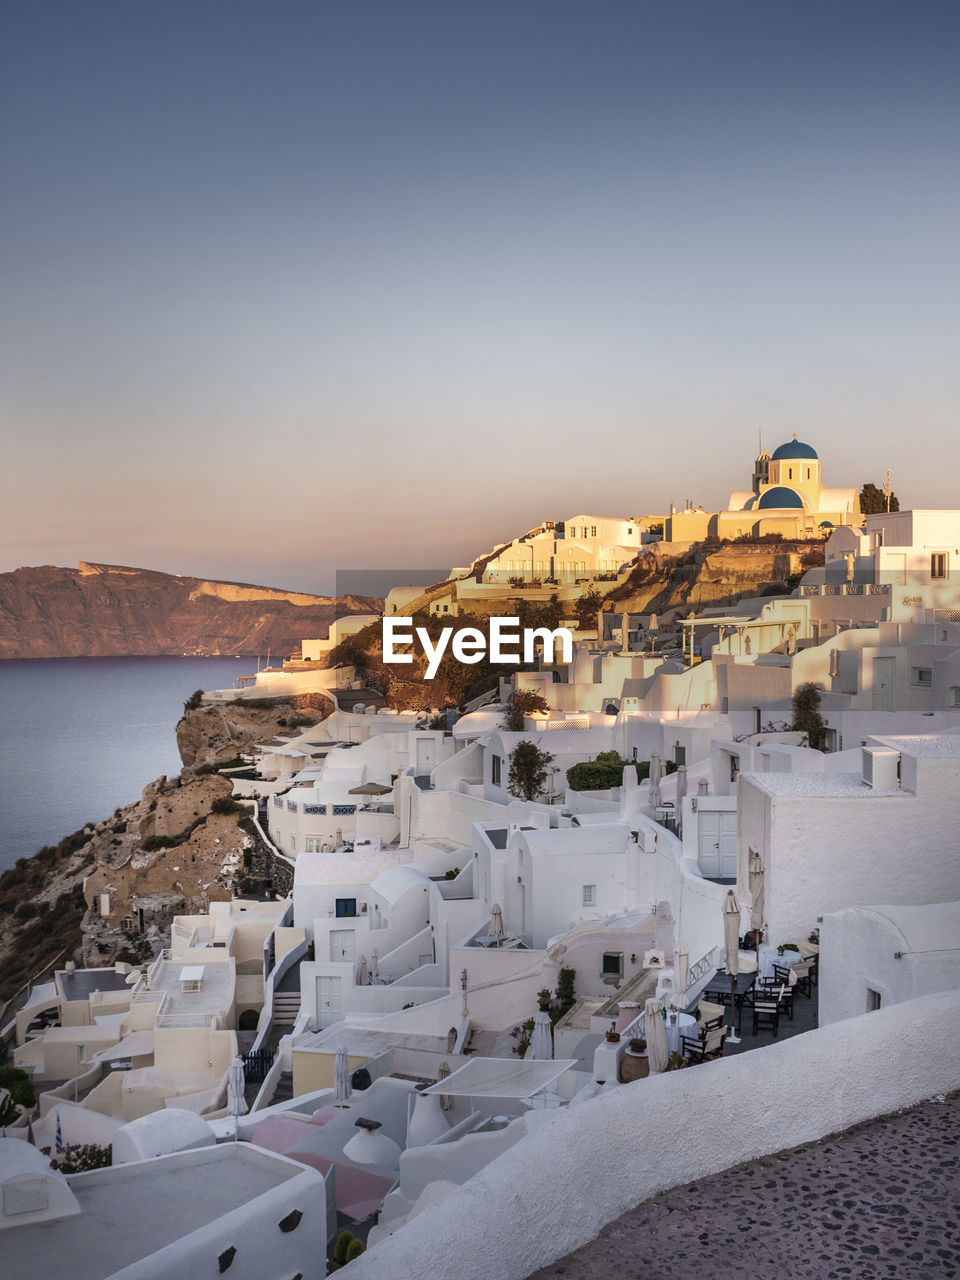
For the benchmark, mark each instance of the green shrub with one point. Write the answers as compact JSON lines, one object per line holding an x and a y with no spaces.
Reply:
{"x":21,"y":1088}
{"x":79,"y":1157}
{"x":193,"y":701}
{"x":354,"y":1249}
{"x":344,"y":1241}
{"x":227,"y":804}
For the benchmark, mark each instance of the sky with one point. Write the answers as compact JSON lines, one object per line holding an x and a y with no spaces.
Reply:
{"x":287,"y":288}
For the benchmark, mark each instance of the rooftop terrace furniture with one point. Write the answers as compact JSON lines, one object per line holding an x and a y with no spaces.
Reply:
{"x":717,"y":990}
{"x":766,"y":1009}
{"x":782,"y":989}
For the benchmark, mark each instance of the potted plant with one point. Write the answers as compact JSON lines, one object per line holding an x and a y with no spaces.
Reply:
{"x":637,"y":1045}
{"x":544,"y":997}
{"x":613,"y":1035}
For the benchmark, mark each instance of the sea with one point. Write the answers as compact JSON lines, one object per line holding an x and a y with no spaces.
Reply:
{"x":81,"y":736}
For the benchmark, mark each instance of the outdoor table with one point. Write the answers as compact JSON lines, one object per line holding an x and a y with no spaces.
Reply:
{"x":771,"y":956}
{"x":717,"y":990}
{"x":191,"y":978}
{"x":686,"y":1025}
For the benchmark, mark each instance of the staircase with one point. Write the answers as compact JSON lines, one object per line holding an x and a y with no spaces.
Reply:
{"x":284,"y":1089}
{"x":286,"y":1007}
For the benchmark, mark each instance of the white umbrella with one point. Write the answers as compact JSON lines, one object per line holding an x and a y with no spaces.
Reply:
{"x":681,"y":791}
{"x":362,"y":972}
{"x":338,"y":838}
{"x":656,"y":799}
{"x":541,"y":1043}
{"x":731,"y":946}
{"x":757,"y":891}
{"x":374,"y":965}
{"x":341,"y":1077}
{"x":681,"y":974}
{"x":236,"y":1088}
{"x":656,"y":1036}
{"x":496,"y":922}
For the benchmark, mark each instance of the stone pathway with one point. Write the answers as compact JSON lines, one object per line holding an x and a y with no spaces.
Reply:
{"x":879,"y":1202}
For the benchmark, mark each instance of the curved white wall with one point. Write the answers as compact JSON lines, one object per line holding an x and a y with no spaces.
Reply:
{"x":580,"y":1168}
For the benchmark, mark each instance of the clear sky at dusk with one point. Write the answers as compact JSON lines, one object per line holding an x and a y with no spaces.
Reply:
{"x":287,"y":287}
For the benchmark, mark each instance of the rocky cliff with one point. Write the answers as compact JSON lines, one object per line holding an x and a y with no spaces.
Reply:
{"x":99,"y":610}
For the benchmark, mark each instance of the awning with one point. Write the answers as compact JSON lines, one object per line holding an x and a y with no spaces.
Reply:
{"x":501,"y":1078}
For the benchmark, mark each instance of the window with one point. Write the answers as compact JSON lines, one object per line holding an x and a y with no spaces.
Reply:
{"x":313,"y":844}
{"x":293,"y":844}
{"x":496,"y":765}
{"x":679,"y":754}
{"x":346,"y":907}
{"x":593,"y":531}
{"x":724,"y":706}
{"x":589,"y":895}
{"x":757,"y":721}
{"x":873,"y":1000}
{"x":612,"y":964}
{"x":734,"y":767}
{"x":954,"y":695}
{"x":938,"y":564}
{"x":922,"y":676}
{"x":808,"y":473}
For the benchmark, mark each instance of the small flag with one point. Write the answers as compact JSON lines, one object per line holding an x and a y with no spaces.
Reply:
{"x":58,"y":1142}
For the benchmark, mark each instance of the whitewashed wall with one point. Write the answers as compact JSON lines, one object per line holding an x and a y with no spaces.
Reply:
{"x":554,"y":1191}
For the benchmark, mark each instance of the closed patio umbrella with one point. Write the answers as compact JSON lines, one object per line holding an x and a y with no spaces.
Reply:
{"x":656,"y":773}
{"x":496,"y":922}
{"x":681,"y":792}
{"x":362,"y":972}
{"x":374,"y":965}
{"x":236,"y":1088}
{"x":541,"y":1044}
{"x":338,"y":838}
{"x":757,"y":891}
{"x":681,"y":974}
{"x":341,"y":1077}
{"x":731,"y":946}
{"x":656,"y":1036}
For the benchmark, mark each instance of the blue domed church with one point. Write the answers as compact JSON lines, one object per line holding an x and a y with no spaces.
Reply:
{"x":787,"y":496}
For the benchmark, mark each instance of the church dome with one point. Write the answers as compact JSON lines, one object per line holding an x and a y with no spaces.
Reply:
{"x":780,"y":496}
{"x":795,"y":449}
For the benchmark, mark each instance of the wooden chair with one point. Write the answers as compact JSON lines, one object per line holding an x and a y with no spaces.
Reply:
{"x":709,"y":1044}
{"x":766,"y":1008}
{"x":779,"y":986}
{"x":804,"y":971}
{"x":707,"y":1012}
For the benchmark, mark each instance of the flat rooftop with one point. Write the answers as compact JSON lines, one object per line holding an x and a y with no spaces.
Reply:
{"x":845,"y":786}
{"x":138,"y":1209}
{"x":81,"y":984}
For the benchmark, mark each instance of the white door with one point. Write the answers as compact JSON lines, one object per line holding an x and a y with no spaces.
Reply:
{"x":426,"y":754}
{"x":718,"y":845}
{"x":341,"y":946}
{"x":883,"y":674}
{"x":328,"y":1001}
{"x":709,"y":828}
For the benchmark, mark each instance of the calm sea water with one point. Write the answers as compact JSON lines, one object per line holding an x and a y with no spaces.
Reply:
{"x":80,"y":736}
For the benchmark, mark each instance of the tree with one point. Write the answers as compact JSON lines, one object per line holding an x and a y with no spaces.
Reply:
{"x":587,"y":607}
{"x":521,"y":703}
{"x":806,"y":715}
{"x":529,"y":771}
{"x":873,"y":501}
